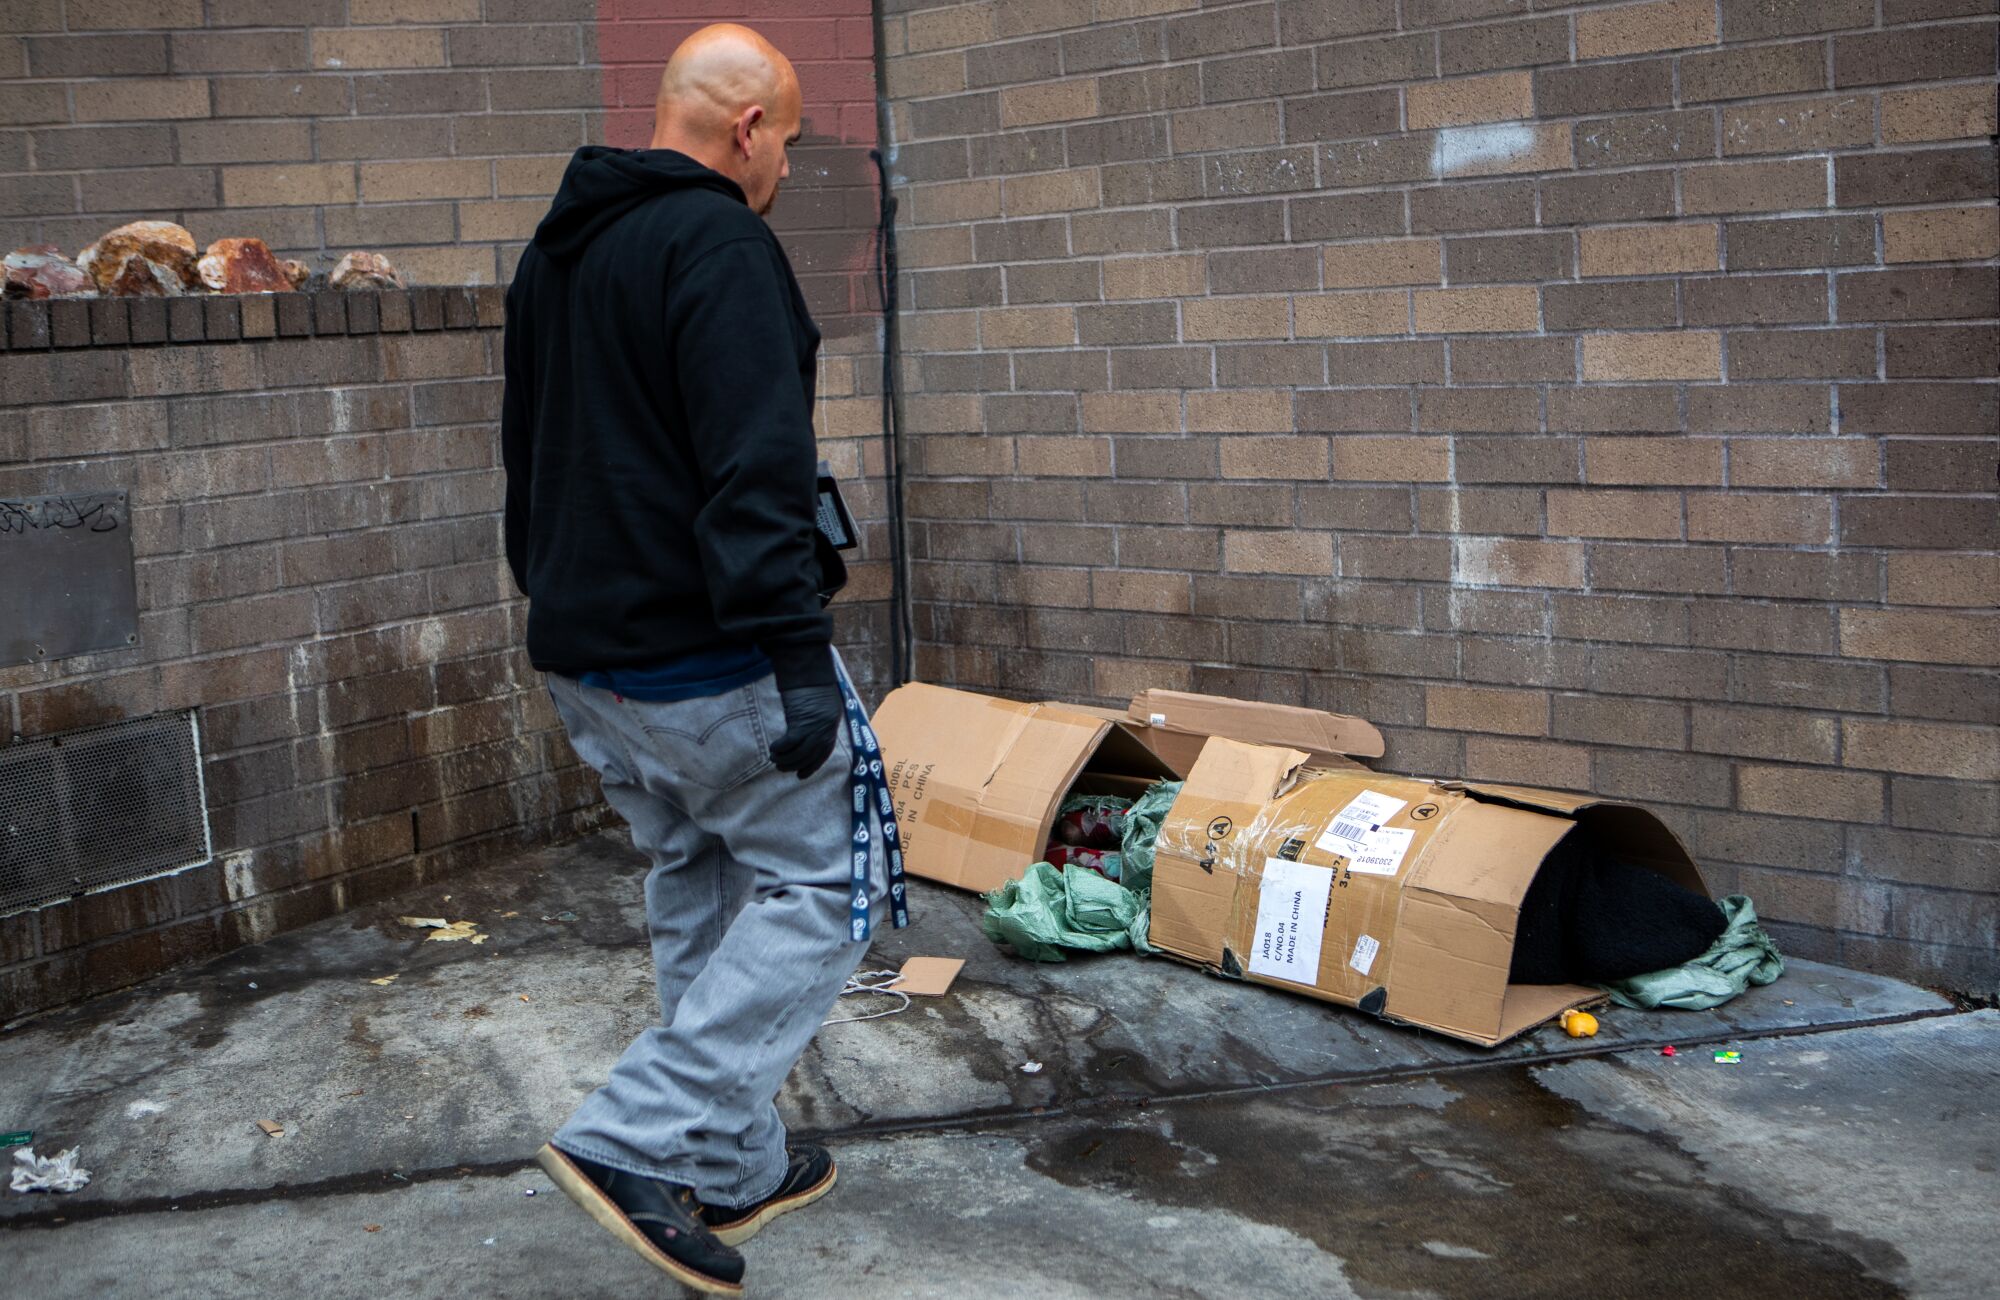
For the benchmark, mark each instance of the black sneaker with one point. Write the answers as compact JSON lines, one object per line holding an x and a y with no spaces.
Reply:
{"x":660,"y":1220}
{"x":809,"y":1176}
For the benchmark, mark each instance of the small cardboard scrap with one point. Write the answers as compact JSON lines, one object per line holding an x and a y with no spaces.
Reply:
{"x":929,"y":977}
{"x":271,"y":1128}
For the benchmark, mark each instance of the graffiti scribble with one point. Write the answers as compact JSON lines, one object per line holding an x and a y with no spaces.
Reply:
{"x":97,"y":514}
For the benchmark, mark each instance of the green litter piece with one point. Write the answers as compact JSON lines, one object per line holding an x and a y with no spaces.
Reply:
{"x":18,"y":1138}
{"x":1729,"y":1058}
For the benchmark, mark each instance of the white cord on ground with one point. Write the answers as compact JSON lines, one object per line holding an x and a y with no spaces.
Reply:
{"x":872,"y":981}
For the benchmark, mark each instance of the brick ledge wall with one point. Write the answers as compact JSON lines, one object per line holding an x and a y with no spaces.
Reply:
{"x":41,"y":324}
{"x":317,"y":545}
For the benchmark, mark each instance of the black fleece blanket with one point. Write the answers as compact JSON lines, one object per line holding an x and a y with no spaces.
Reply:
{"x":1590,"y":918}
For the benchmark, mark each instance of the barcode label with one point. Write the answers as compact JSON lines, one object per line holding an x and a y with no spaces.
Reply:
{"x":1362,"y":817}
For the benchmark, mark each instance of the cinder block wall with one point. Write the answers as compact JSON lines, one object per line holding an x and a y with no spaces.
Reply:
{"x":1593,"y":395}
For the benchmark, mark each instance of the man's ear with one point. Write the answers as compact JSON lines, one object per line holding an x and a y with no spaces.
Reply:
{"x":745,"y":124}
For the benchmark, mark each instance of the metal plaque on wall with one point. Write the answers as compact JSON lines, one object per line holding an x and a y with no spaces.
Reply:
{"x":66,"y":585}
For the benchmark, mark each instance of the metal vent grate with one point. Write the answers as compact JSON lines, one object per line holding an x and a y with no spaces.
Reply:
{"x":98,"y":808}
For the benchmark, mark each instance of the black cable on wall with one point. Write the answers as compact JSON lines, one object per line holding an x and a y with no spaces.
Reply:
{"x":902,"y":651}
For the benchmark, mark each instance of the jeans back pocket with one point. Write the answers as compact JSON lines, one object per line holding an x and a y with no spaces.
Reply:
{"x":715,"y":743}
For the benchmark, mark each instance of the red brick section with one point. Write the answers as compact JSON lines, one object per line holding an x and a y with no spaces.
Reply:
{"x":1593,"y":395}
{"x":826,"y":216}
{"x":828,"y":212}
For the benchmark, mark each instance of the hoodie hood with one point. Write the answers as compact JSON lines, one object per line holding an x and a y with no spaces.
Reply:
{"x":602,"y":184}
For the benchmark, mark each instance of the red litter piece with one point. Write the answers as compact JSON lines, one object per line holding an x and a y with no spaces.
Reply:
{"x":1668,"y":1050}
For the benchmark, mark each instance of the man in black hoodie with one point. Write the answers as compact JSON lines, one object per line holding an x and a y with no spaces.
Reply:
{"x":661,"y":495}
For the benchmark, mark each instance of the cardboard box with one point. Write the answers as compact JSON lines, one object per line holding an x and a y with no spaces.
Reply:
{"x":977,"y":780}
{"x":1393,"y":895}
{"x":1178,"y":724}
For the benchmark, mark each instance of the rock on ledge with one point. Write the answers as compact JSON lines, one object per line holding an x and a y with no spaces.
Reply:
{"x":364,"y":271}
{"x":41,"y":271}
{"x":243,"y":266}
{"x":154,"y":259}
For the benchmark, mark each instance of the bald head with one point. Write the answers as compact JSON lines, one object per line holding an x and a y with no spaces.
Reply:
{"x":729,"y":99}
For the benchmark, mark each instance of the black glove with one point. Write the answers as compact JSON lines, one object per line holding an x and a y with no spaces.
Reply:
{"x":813,"y":716}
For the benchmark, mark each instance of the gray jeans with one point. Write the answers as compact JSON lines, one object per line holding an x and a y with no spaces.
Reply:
{"x":747,"y":904}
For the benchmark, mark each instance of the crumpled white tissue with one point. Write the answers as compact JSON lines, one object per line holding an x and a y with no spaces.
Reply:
{"x":56,"y":1173}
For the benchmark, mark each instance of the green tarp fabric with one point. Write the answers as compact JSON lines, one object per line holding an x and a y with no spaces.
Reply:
{"x":1047,"y":911}
{"x":1743,"y":956}
{"x":1142,"y":830}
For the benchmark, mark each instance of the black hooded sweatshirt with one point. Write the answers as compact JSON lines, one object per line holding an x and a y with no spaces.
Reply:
{"x":657,"y":426}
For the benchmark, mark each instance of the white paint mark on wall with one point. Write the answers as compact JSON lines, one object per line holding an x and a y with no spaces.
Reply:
{"x":1474,"y":564}
{"x":1509,"y":562}
{"x":432,"y":640}
{"x":239,"y":877}
{"x":1465,"y":148}
{"x":258,"y":922}
{"x":342,"y":401}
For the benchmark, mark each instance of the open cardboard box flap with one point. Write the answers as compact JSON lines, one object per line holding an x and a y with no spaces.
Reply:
{"x":1176,"y":724}
{"x":1416,"y":924}
{"x":977,"y":780}
{"x":1319,"y":733}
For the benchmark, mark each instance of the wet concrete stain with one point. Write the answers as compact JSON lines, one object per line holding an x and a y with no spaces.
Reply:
{"x":1505,"y":1191}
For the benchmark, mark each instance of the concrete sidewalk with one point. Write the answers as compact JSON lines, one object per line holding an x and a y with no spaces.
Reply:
{"x":1186,"y":1135}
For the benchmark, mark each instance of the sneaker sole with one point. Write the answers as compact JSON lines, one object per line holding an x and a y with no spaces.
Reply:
{"x":736,"y":1234}
{"x":602,"y":1208}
